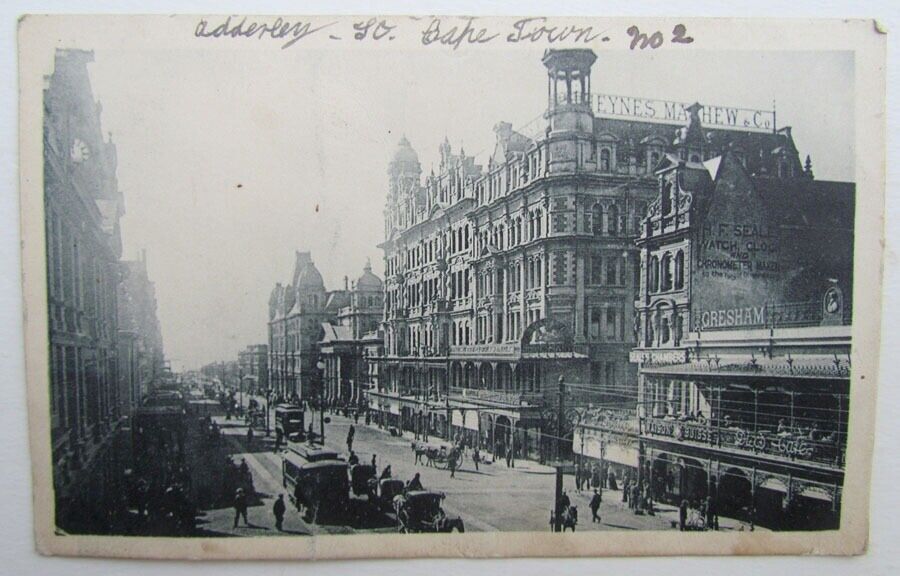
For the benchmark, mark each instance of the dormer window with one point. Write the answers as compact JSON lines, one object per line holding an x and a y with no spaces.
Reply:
{"x":666,"y":197}
{"x":605,"y":160}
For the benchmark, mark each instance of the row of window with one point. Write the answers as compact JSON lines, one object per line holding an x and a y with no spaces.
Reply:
{"x":667,"y":273}
{"x":428,"y":251}
{"x":521,"y":229}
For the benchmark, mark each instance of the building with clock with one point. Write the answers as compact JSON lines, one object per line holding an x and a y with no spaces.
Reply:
{"x":743,"y":324}
{"x":83,"y":205}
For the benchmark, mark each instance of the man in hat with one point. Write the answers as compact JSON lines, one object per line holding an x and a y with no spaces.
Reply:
{"x":595,"y":506}
{"x":240,"y":507}
{"x":278,"y":510}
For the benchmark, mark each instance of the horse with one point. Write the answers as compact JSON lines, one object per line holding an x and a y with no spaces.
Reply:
{"x":420,"y":451}
{"x":569,"y":518}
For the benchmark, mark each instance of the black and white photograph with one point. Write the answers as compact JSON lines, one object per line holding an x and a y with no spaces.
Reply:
{"x":317,"y":279}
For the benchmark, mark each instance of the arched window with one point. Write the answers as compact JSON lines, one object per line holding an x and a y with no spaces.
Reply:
{"x":612,"y":217}
{"x":695,"y":158}
{"x":665,"y":271}
{"x":679,"y":270}
{"x":654,"y":274}
{"x":605,"y":160}
{"x":597,"y":218}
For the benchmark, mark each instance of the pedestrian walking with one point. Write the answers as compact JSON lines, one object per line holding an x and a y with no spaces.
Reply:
{"x":249,"y":437}
{"x":374,"y":459}
{"x":350,"y":435}
{"x":595,"y":506}
{"x":712,"y":519}
{"x":240,"y":507}
{"x":278,"y":510}
{"x":476,"y":457}
{"x":682,"y":514}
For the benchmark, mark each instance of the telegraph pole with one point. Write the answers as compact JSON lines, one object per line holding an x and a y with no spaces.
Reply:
{"x":557,"y":516}
{"x":321,"y":373}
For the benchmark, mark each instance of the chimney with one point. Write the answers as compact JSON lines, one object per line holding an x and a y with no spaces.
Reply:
{"x":346,"y":283}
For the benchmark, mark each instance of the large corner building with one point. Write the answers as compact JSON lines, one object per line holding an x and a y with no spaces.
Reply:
{"x":502,"y":279}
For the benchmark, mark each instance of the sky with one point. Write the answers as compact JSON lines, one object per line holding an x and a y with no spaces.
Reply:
{"x":230,"y":162}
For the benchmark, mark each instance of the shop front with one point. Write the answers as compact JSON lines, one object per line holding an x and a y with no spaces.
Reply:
{"x":608,"y":449}
{"x":748,"y":487}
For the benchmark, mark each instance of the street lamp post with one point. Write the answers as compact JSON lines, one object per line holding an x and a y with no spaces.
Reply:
{"x":240,"y":389}
{"x":557,"y":517}
{"x":321,"y":367}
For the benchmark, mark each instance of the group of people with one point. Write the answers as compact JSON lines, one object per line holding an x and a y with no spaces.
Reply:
{"x":237,"y":477}
{"x":694,"y":517}
{"x":638,"y":496}
{"x":593,"y":476}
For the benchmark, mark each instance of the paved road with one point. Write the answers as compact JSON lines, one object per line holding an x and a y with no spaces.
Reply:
{"x":492,"y":498}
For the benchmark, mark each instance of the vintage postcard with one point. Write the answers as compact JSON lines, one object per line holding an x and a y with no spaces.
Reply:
{"x":360,"y":287}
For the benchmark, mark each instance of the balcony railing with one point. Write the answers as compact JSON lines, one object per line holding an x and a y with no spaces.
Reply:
{"x":509,"y":349}
{"x":496,"y":396}
{"x":785,"y":445}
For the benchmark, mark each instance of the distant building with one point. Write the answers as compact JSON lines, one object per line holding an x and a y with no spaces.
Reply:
{"x":296,"y":313}
{"x":83,"y":206}
{"x":254,"y":366}
{"x":350,"y":338}
{"x":141,"y":359}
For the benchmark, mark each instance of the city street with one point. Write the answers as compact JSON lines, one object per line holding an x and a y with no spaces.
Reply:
{"x":492,"y":498}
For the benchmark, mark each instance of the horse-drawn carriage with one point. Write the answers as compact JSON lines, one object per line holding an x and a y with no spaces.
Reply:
{"x":420,"y":511}
{"x":379,"y":492}
{"x":437,"y":456}
{"x":363,"y":481}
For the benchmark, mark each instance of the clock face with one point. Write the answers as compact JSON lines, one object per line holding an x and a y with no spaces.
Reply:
{"x":80,"y":151}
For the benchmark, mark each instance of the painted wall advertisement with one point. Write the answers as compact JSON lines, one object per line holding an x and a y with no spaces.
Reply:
{"x":738,"y":260}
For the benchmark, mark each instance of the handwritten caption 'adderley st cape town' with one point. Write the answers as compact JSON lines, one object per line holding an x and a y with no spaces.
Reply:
{"x":452,"y":32}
